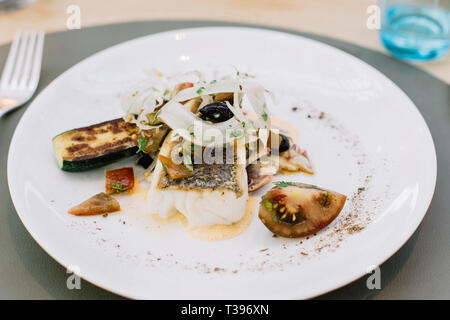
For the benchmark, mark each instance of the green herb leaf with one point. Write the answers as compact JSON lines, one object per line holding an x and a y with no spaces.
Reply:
{"x":200,"y":90}
{"x":155,"y":89}
{"x":142,"y":143}
{"x":235,"y":133}
{"x":265,"y":116}
{"x":156,"y":116}
{"x":118,"y":186}
{"x":283,"y":184}
{"x":212,"y":82}
{"x":274,"y":218}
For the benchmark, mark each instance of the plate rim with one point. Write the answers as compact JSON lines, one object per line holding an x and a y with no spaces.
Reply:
{"x":338,"y":284}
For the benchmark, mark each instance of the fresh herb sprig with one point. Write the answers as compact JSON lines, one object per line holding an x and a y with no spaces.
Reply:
{"x":142,"y":143}
{"x":118,"y":187}
{"x":283,"y":184}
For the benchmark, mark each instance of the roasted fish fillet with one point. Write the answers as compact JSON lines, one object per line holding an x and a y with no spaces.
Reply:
{"x":215,"y":194}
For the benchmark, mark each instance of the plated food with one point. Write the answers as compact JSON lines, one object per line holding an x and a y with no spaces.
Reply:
{"x":336,"y":103}
{"x":205,"y":144}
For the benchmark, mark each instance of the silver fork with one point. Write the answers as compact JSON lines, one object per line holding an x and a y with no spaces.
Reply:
{"x":22,"y":69}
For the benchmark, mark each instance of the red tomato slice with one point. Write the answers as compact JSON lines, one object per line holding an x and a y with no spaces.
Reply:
{"x":119,"y":180}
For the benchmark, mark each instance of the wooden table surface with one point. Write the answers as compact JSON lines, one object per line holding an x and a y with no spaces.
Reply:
{"x":340,"y":19}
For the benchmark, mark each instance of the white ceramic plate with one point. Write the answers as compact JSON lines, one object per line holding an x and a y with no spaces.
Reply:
{"x":365,"y":137}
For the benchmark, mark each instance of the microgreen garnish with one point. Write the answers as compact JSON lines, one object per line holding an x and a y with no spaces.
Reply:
{"x":200,"y":90}
{"x":274,"y":217}
{"x":283,"y":184}
{"x":156,"y":115}
{"x":265,"y":116}
{"x":155,"y":89}
{"x":235,"y":133}
{"x":142,"y":143}
{"x":118,"y":186}
{"x":166,"y":92}
{"x":212,"y":82}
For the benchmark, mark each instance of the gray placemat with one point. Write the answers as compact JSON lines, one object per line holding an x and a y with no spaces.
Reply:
{"x":420,"y":269}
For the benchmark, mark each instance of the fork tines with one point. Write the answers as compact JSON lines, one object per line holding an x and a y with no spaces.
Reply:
{"x":23,"y":64}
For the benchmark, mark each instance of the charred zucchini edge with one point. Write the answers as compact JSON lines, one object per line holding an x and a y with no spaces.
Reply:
{"x":114,"y":129}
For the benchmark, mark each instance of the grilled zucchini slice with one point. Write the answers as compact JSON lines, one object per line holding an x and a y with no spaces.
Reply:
{"x":95,"y":146}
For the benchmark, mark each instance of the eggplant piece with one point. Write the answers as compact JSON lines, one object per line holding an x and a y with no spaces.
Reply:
{"x":294,"y":210}
{"x":144,"y":160}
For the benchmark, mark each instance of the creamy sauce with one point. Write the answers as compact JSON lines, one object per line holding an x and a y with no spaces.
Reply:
{"x":222,"y":232}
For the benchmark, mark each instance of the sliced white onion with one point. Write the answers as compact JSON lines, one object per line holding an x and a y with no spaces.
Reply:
{"x":255,"y":95}
{"x":207,"y":89}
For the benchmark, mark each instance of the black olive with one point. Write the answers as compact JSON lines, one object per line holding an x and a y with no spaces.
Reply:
{"x":216,"y":112}
{"x":284,"y":144}
{"x":145,"y":160}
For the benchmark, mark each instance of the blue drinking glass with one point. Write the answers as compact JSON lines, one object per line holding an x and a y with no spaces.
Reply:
{"x":415,"y":29}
